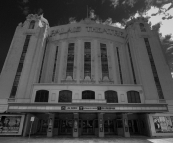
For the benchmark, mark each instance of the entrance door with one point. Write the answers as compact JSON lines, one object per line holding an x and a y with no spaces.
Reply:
{"x":88,"y":127}
{"x":109,"y":127}
{"x":65,"y":127}
{"x":133,"y":126}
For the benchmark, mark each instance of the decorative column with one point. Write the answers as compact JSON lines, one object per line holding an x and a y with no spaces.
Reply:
{"x":76,"y":125}
{"x":125,"y":125}
{"x":101,"y":124}
{"x":50,"y":125}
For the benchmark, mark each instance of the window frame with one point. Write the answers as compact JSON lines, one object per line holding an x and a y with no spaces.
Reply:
{"x":42,"y":98}
{"x":60,"y":98}
{"x":110,"y":96}
{"x":133,"y":97}
{"x":32,"y":24}
{"x":90,"y":96}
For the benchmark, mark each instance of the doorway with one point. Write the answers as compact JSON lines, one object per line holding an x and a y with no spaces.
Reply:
{"x":133,"y":126}
{"x":110,"y":127}
{"x":88,"y":127}
{"x":65,"y":127}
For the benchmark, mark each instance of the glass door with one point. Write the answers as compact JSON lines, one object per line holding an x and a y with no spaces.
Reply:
{"x":87,"y":127}
{"x":109,"y":126}
{"x":65,"y":127}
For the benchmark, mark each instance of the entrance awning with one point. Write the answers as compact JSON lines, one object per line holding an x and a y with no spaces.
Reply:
{"x":42,"y":107}
{"x":3,"y":108}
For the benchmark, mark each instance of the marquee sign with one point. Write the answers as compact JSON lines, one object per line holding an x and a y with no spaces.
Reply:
{"x":88,"y":108}
{"x":108,"y":31}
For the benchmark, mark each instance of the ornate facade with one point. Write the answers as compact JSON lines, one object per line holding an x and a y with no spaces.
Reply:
{"x":86,"y":79}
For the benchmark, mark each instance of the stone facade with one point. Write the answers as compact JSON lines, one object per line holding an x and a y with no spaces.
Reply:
{"x":87,"y":68}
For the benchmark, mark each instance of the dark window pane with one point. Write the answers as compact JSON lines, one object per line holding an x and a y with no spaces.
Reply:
{"x":133,"y":97}
{"x":65,"y":96}
{"x":42,"y":96}
{"x":32,"y":24}
{"x":111,"y":96}
{"x":142,"y":27}
{"x":88,"y":94}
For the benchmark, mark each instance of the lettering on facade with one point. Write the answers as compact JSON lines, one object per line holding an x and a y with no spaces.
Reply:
{"x":63,"y":31}
{"x":72,"y":108}
{"x":89,"y":108}
{"x":108,"y":31}
{"x":108,"y":108}
{"x":105,"y":30}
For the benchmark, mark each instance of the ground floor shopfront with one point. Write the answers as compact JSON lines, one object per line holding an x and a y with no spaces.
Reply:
{"x":93,"y":120}
{"x":87,"y":124}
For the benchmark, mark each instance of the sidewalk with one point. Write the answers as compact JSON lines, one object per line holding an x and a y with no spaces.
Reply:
{"x":86,"y":140}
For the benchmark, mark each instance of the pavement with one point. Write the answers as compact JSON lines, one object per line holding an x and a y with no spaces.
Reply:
{"x":86,"y":140}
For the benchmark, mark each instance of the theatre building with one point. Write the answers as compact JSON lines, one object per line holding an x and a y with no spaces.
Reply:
{"x":85,"y":79}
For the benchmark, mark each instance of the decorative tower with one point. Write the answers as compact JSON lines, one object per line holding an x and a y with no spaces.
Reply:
{"x":21,"y":64}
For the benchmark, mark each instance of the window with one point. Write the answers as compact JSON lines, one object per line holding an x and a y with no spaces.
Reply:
{"x":87,"y":59}
{"x":70,"y":60}
{"x":32,"y":24}
{"x":42,"y":96}
{"x":154,"y":70}
{"x":41,"y":69}
{"x":65,"y":96}
{"x":54,"y":67}
{"x":119,"y":65}
{"x":20,"y":67}
{"x":88,"y":94}
{"x":133,"y":97}
{"x":111,"y":96}
{"x":104,"y":61}
{"x":131,"y":62}
{"x":142,"y":27}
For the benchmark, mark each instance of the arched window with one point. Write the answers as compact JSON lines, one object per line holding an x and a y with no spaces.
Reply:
{"x":32,"y":24}
{"x":65,"y":96}
{"x":133,"y":97}
{"x":111,"y":96}
{"x":88,"y":94}
{"x":142,"y":27}
{"x":42,"y":96}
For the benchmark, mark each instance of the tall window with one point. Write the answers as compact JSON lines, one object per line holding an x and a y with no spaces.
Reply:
{"x":119,"y":65}
{"x":20,"y":67}
{"x":32,"y":24}
{"x":70,"y":60}
{"x":111,"y":96}
{"x":44,"y":53}
{"x":42,"y":96}
{"x":88,"y":94}
{"x":104,"y":61}
{"x":142,"y":27}
{"x":54,"y":67}
{"x":65,"y":96}
{"x":131,"y":62}
{"x":154,"y":70}
{"x":87,"y":59}
{"x":133,"y":97}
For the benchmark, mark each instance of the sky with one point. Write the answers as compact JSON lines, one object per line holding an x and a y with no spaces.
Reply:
{"x":111,"y":12}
